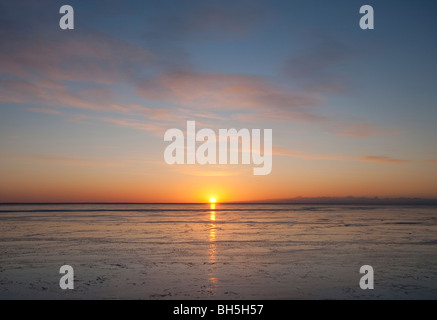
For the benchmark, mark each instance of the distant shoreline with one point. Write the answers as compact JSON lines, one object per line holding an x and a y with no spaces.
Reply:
{"x":296,"y":201}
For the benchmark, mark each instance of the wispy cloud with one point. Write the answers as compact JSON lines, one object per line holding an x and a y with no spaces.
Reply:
{"x":383,"y":159}
{"x":70,"y":161}
{"x":44,"y":110}
{"x":311,"y":156}
{"x":156,"y":128}
{"x":304,"y":155}
{"x":23,"y":91}
{"x":359,"y":129}
{"x":88,"y":71}
{"x":84,"y":57}
{"x":223,"y":91}
{"x":162,"y":114}
{"x":209,"y":170}
{"x":281,"y":117}
{"x":79,"y":71}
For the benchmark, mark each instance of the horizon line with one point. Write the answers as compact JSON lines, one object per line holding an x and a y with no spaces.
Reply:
{"x":349,"y":200}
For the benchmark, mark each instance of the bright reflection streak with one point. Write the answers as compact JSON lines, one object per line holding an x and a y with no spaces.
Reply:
{"x":212,"y":245}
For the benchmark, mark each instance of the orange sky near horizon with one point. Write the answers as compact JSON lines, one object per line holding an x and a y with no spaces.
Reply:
{"x":161,"y":183}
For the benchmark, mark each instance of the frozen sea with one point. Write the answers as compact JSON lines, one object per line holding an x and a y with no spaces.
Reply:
{"x":223,"y":251}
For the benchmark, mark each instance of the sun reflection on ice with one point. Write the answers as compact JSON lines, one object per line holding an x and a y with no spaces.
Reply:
{"x":212,"y":245}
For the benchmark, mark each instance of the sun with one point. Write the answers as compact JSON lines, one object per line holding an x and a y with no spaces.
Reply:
{"x":212,"y":200}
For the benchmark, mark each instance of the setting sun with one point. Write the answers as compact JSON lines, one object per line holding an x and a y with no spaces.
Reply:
{"x":212,"y":200}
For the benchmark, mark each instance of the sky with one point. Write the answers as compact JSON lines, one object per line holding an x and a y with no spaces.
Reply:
{"x":83,"y":112}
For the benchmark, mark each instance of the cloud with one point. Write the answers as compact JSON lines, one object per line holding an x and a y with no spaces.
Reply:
{"x":383,"y":159}
{"x":83,"y":57}
{"x":250,"y":99}
{"x":88,"y":70}
{"x":76,"y":71}
{"x":157,"y":128}
{"x":212,"y":173}
{"x":163,"y":114}
{"x":79,"y":118}
{"x":210,"y":170}
{"x":22,"y":91}
{"x":284,"y":116}
{"x":19,"y":91}
{"x":44,"y":110}
{"x":304,"y":155}
{"x":229,"y":92}
{"x":359,"y":129}
{"x":70,"y":161}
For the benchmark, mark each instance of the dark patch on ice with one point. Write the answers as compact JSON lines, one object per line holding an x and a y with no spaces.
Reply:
{"x":403,"y":223}
{"x":432,"y":242}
